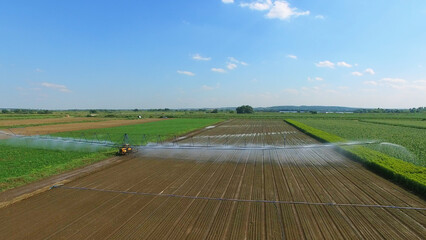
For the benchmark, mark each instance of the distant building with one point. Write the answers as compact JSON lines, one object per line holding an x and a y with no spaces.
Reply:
{"x":285,"y":111}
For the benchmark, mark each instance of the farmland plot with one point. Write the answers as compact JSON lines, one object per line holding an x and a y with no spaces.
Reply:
{"x":256,"y":179}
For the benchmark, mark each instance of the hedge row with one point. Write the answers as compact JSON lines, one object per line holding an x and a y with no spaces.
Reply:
{"x":406,"y":174}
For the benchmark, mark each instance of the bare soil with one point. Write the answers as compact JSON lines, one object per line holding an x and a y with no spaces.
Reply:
{"x":49,"y":129}
{"x":20,"y":122}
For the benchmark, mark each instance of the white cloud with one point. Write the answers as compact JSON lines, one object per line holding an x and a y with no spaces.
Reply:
{"x":210,"y":88}
{"x":231,"y":66}
{"x":320,"y":17}
{"x":282,"y":10}
{"x":219,"y":70}
{"x":374,"y":83}
{"x":419,"y":85}
{"x":344,"y":64}
{"x":359,"y":74}
{"x":400,"y":84}
{"x":278,"y":9}
{"x":370,"y":71}
{"x":259,"y":5}
{"x":39,"y":70}
{"x":234,"y":60}
{"x":393,"y":80}
{"x":325,"y":64}
{"x":61,"y":88}
{"x":315,"y":79}
{"x":291,"y":91}
{"x":404,"y":85}
{"x":207,"y":88}
{"x":186,"y":73}
{"x":228,"y":1}
{"x":420,"y":81}
{"x":292,"y":56}
{"x":198,"y":57}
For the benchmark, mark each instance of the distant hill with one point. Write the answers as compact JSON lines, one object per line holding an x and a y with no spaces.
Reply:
{"x":285,"y":109}
{"x":305,"y":109}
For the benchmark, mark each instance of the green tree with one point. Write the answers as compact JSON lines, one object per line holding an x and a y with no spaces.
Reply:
{"x":244,"y":109}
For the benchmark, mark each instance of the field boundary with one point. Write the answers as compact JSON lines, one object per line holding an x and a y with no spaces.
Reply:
{"x":408,"y":175}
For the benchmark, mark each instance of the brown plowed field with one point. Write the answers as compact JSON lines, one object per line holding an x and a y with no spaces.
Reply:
{"x":294,"y":193}
{"x":20,"y":122}
{"x":49,"y":129}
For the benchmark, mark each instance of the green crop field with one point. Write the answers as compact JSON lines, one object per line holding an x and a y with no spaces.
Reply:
{"x":410,"y":138}
{"x":20,"y":165}
{"x":27,"y":160}
{"x":142,"y":133}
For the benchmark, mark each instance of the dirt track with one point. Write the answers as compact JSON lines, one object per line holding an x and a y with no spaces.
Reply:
{"x":49,"y":129}
{"x":295,"y":193}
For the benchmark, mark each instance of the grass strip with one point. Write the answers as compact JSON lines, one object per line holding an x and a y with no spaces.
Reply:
{"x":406,"y":174}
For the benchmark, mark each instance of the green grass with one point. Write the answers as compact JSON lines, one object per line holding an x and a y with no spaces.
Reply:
{"x":407,"y":174}
{"x":412,"y":139}
{"x":23,"y":161}
{"x":142,"y":133}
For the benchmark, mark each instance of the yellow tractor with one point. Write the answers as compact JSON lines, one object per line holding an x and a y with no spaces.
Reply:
{"x":125,"y":148}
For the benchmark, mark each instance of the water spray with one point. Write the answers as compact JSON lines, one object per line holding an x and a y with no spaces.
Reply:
{"x":55,"y":143}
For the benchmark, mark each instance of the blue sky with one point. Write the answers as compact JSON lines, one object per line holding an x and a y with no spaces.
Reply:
{"x":212,"y":53}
